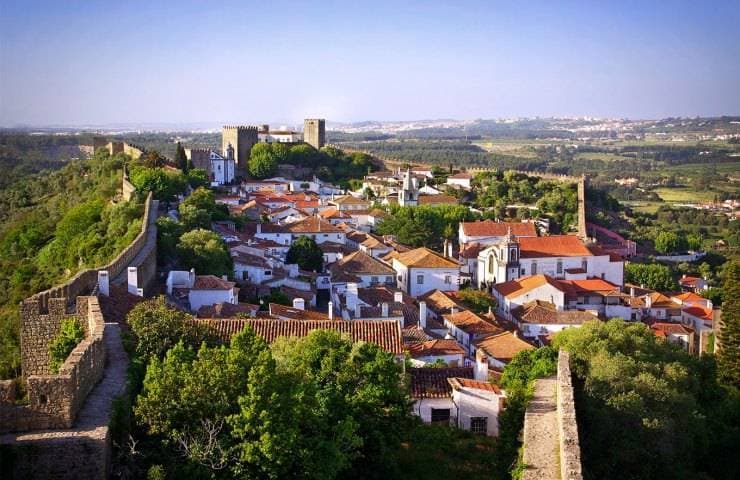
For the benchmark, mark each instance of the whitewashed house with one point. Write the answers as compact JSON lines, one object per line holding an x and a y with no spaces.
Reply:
{"x":421,"y":270}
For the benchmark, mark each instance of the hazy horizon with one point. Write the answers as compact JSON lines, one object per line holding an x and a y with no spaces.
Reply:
{"x":98,"y":63}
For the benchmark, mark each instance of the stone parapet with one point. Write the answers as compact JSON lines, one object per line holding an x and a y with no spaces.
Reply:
{"x":54,"y":400}
{"x":570,"y":448}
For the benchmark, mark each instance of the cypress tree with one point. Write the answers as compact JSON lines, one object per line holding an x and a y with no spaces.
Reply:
{"x":180,"y":159}
{"x":728,"y":357}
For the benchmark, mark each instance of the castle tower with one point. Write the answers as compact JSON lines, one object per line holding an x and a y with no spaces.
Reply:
{"x":230,"y":152}
{"x":409,"y":193}
{"x":314,"y":132}
{"x":241,"y":138}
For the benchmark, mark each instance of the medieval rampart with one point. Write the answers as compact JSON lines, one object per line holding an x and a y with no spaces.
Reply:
{"x":54,"y":399}
{"x":127,"y":188}
{"x":85,"y":280}
{"x":551,"y":448}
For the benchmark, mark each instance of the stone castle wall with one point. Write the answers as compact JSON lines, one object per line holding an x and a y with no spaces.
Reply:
{"x":127,"y":188}
{"x":569,"y":445}
{"x":85,"y":280}
{"x":54,"y":399}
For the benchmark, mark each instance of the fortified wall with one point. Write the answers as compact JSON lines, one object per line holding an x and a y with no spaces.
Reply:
{"x":54,"y":399}
{"x":85,"y":280}
{"x":551,"y":447}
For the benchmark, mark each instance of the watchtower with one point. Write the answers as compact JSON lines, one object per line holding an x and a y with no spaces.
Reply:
{"x":314,"y":132}
{"x":241,"y":138}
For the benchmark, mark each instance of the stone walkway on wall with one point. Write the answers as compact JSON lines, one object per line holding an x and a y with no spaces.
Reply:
{"x":90,"y":431}
{"x":541,"y":445}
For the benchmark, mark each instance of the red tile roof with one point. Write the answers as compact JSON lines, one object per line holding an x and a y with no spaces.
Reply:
{"x":277,"y":310}
{"x":664,"y":329}
{"x":689,"y":281}
{"x":471,"y":323}
{"x":212,"y":282}
{"x":553,"y":246}
{"x":435,"y":347}
{"x":459,"y":383}
{"x":700,"y":312}
{"x":489,"y":228}
{"x":545,"y":313}
{"x":432,"y":382}
{"x":520,"y":286}
{"x":424,"y":258}
{"x":312,"y":225}
{"x":384,"y":333}
{"x":503,"y":346}
{"x":227,"y":310}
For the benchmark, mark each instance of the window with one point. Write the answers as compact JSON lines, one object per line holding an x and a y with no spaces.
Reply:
{"x":448,"y":279}
{"x":490,"y":264}
{"x":420,"y":279}
{"x":560,"y":266}
{"x":373,"y":280}
{"x":326,"y":235}
{"x":479,"y":425}
{"x":534,"y":268}
{"x":584,"y":264}
{"x":268,"y":272}
{"x":440,"y":415}
{"x":245,"y":275}
{"x":388,"y":279}
{"x":513,"y":255}
{"x":523,"y":271}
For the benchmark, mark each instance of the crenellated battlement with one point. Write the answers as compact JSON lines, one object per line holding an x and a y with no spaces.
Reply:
{"x":241,"y":128}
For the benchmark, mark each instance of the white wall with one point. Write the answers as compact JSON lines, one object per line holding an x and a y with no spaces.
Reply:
{"x":423,"y":407}
{"x":477,"y":403}
{"x":454,"y":360}
{"x":199,"y":298}
{"x":433,"y":279}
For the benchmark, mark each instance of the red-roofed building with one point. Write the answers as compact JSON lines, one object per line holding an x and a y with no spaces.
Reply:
{"x":675,"y":333}
{"x":692,"y":284}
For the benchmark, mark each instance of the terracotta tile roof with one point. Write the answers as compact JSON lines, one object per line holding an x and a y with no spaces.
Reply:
{"x":432,"y":382}
{"x":489,"y":228}
{"x":360,"y":263}
{"x":440,"y":302}
{"x":212,"y":282}
{"x":227,"y":310}
{"x":283,"y":311}
{"x":471,"y":323}
{"x":333,"y":213}
{"x":384,"y":333}
{"x":460,"y":383}
{"x":503,"y":346}
{"x":414,"y":334}
{"x":706,"y":314}
{"x":118,"y":303}
{"x":435,"y":347}
{"x":333,"y":247}
{"x":689,"y":281}
{"x":373,"y":241}
{"x":437,"y":200}
{"x":599,"y":251}
{"x":663,"y":329}
{"x":589,"y":285}
{"x":376,"y":212}
{"x":520,"y":286}
{"x":471,"y":250}
{"x":312,"y":225}
{"x":379,"y":294}
{"x":541,"y":312}
{"x":425,"y":258}
{"x":690,"y":297}
{"x":575,"y":270}
{"x":661,"y":301}
{"x":249,"y":259}
{"x":349,"y":200}
{"x":554,"y":246}
{"x":357,"y":237}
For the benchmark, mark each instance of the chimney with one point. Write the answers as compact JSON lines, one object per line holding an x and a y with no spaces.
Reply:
{"x":398,"y":297}
{"x":351,"y":296}
{"x":449,"y":249}
{"x":299,"y":303}
{"x":444,"y":247}
{"x":480,"y":372}
{"x":224,"y":278}
{"x":632,"y":292}
{"x":259,"y":228}
{"x":191,"y":278}
{"x":384,"y":310}
{"x":358,"y":310}
{"x":103,"y":282}
{"x":453,"y":310}
{"x":423,"y":314}
{"x":683,"y":276}
{"x":331,"y":311}
{"x":132,"y":281}
{"x":648,"y":301}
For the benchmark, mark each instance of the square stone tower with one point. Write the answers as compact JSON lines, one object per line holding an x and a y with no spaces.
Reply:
{"x":314,"y":132}
{"x":241,"y":138}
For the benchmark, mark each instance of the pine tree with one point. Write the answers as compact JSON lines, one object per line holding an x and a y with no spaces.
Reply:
{"x":728,"y":357}
{"x":181,"y":159}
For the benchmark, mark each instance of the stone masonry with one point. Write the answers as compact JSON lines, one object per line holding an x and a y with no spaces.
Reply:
{"x":242,"y":138}
{"x":551,"y":446}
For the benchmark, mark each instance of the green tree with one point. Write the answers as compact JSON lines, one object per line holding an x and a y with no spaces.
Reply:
{"x":181,"y":160}
{"x":653,"y":276}
{"x":306,"y":253}
{"x":728,"y":356}
{"x":169,"y":232}
{"x":694,"y":241}
{"x":197,"y":177}
{"x":158,"y":327}
{"x":164,"y":185}
{"x":631,"y":386}
{"x":669,"y":242}
{"x":206,"y":252}
{"x":262,"y":161}
{"x":477,"y":300}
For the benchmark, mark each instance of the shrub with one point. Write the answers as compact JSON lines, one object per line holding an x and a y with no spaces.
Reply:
{"x":70,"y":334}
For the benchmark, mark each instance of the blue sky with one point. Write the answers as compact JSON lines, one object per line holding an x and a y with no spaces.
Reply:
{"x":97,"y":62}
